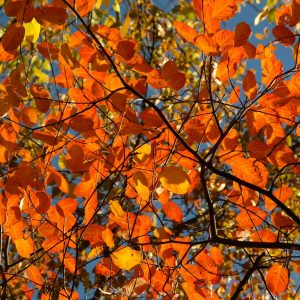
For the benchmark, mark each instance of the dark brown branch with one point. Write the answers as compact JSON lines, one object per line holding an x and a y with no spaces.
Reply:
{"x":247,"y":276}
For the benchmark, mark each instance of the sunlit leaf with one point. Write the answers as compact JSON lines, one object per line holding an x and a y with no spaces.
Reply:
{"x":141,"y":185}
{"x":24,"y":247}
{"x":35,"y":276}
{"x":277,"y":279}
{"x":32,"y":31}
{"x":126,"y":258}
{"x":175,"y":180}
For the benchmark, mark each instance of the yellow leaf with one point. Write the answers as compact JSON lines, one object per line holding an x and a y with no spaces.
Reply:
{"x":125,"y":26}
{"x":98,"y":4}
{"x":142,"y":154}
{"x":32,"y":31}
{"x":116,"y":208}
{"x":126,"y":258}
{"x":141,"y":185}
{"x":95,"y":252}
{"x":175,"y":180}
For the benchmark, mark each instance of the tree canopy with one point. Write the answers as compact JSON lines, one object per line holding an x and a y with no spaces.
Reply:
{"x":149,"y":149}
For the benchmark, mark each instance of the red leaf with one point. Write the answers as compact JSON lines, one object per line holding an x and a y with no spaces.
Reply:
{"x":249,"y":85}
{"x":125,"y":49}
{"x":51,"y":13}
{"x":283,"y":35}
{"x":242,"y":33}
{"x":13,"y":36}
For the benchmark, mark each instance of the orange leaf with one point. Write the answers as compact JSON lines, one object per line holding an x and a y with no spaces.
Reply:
{"x":242,"y":33}
{"x":186,"y":31}
{"x":224,"y":9}
{"x":159,"y":281}
{"x":6,"y":56}
{"x":35,"y":276}
{"x":216,"y":255}
{"x":106,"y":267}
{"x":285,"y":36}
{"x":173,"y":211}
{"x":249,"y":85}
{"x":234,"y":95}
{"x":277,"y":279}
{"x":207,"y":45}
{"x":283,"y":194}
{"x":264,"y":235}
{"x":13,"y":36}
{"x":251,"y":217}
{"x":108,"y":237}
{"x":204,"y":10}
{"x":83,"y":7}
{"x":175,"y":180}
{"x":58,"y":178}
{"x":24,"y":247}
{"x":69,"y":262}
{"x":3,"y":216}
{"x":65,"y":294}
{"x":250,"y":170}
{"x":29,"y":116}
{"x":67,"y":205}
{"x":271,"y":67}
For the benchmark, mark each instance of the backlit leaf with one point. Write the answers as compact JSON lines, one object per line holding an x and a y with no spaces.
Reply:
{"x":251,"y":217}
{"x":126,"y":258}
{"x":175,"y":180}
{"x":32,"y":31}
{"x":187,"y":32}
{"x":277,"y":279}
{"x":141,"y":185}
{"x":173,"y":211}
{"x":24,"y":247}
{"x":35,"y":276}
{"x":224,"y":9}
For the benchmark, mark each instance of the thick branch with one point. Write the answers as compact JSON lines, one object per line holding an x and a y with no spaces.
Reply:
{"x":247,"y":276}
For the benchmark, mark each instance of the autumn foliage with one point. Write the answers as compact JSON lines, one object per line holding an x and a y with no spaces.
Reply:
{"x":148,"y":152}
